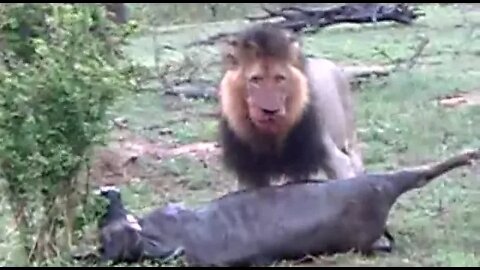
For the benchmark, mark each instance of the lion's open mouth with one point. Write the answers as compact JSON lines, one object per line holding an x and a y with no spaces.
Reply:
{"x":267,"y":125}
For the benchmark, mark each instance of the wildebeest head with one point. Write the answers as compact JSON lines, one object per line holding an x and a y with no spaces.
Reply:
{"x":126,"y":238}
{"x":116,"y":210}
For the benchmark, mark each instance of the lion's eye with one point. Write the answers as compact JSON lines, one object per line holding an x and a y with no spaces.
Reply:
{"x":256,"y":79}
{"x":279,"y":78}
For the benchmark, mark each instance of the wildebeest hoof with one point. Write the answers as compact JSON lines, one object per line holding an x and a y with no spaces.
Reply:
{"x":384,"y":243}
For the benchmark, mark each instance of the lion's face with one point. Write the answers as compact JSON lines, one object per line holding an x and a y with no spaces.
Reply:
{"x":263,"y":90}
{"x":268,"y":85}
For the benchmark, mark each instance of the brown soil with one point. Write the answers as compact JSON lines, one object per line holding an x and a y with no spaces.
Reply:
{"x":119,"y":161}
{"x":461,"y":98}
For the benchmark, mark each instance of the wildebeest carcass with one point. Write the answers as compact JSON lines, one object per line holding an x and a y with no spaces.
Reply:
{"x":260,"y":226}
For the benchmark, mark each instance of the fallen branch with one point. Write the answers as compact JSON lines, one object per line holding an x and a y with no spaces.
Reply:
{"x":410,"y":62}
{"x":190,"y":149}
{"x":354,"y":73}
{"x":208,"y":91}
{"x":366,"y":71}
{"x":311,"y":20}
{"x":210,"y":40}
{"x":348,"y":13}
{"x":357,"y":73}
{"x":194,"y":91}
{"x":418,"y":51}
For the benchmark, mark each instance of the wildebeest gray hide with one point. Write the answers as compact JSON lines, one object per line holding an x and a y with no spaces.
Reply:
{"x":261,"y":226}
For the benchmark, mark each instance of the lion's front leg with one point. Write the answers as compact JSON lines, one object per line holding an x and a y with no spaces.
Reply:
{"x":337,"y":165}
{"x":352,"y":149}
{"x":251,"y":181}
{"x":356,"y":159}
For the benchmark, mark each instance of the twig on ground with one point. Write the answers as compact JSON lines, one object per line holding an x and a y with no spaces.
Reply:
{"x":410,"y":62}
{"x":156,"y":58}
{"x":194,"y":91}
{"x":367,"y":71}
{"x":418,"y":51}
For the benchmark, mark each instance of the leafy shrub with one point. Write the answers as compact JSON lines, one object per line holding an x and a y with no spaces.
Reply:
{"x":62,"y":68}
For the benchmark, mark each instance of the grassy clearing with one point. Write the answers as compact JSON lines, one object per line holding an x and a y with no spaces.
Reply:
{"x":399,"y":120}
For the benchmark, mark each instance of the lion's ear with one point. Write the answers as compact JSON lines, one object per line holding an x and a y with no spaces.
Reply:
{"x":229,"y":51}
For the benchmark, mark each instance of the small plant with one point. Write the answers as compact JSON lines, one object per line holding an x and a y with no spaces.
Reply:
{"x":62,"y":68}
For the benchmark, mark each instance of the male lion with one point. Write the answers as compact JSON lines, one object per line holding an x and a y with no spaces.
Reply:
{"x":283,"y":114}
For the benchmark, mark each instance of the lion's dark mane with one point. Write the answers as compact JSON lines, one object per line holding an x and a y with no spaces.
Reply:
{"x":302,"y":154}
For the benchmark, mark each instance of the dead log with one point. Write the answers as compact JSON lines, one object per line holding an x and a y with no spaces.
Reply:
{"x":193,"y":91}
{"x":348,"y":13}
{"x":354,"y":72}
{"x":310,"y":20}
{"x":355,"y":75}
{"x":208,"y":91}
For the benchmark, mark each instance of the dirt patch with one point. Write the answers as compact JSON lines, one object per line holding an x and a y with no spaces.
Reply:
{"x":461,"y":98}
{"x":127,"y":156}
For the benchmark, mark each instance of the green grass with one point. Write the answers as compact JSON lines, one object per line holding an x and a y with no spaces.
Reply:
{"x":399,"y":121}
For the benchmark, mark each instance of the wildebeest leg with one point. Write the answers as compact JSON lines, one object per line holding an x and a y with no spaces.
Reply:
{"x":385,"y":243}
{"x":155,"y":253}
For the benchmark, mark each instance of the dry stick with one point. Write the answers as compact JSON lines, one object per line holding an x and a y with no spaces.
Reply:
{"x":87,"y":183}
{"x":412,"y":61}
{"x":72,"y":200}
{"x":202,"y":92}
{"x":194,"y":70}
{"x":156,"y":58}
{"x":20,"y":208}
{"x":383,"y":53}
{"x":48,"y":228}
{"x":52,"y":233}
{"x":355,"y":72}
{"x":41,"y":233}
{"x":205,"y":92}
{"x":162,"y":73}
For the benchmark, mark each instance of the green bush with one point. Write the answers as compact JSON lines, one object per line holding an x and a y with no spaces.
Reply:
{"x":62,"y":68}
